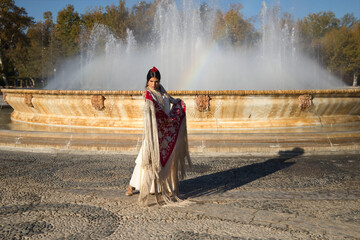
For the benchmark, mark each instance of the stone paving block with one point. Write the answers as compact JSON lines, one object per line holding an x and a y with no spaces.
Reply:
{"x":223,"y":212}
{"x":268,"y":218}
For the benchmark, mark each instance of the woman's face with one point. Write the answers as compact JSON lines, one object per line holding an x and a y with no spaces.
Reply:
{"x":154,"y":83}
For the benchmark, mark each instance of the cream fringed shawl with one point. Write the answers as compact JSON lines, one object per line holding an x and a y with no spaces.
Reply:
{"x":165,"y":148}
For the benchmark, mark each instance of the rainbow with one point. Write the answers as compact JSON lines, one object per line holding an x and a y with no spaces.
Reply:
{"x":199,"y":63}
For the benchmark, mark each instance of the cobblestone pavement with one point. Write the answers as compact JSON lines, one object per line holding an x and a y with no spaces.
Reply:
{"x":65,"y":195}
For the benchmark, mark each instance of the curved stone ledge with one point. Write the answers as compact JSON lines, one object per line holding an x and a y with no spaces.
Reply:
{"x":338,"y":92}
{"x":224,"y":109}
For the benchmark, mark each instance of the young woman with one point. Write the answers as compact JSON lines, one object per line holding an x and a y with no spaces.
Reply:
{"x":161,"y":160}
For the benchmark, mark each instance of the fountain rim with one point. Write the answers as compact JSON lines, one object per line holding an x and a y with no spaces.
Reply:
{"x":187,"y":92}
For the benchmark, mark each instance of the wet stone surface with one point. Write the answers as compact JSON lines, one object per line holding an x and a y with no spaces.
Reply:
{"x":64,"y":195}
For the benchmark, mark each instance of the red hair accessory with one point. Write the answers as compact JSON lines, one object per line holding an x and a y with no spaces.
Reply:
{"x":154,"y":69}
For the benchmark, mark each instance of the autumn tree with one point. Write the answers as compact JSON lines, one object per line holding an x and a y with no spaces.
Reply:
{"x":220,"y":27}
{"x":239,"y":30}
{"x":92,"y":17}
{"x":117,"y":19}
{"x":348,"y":20}
{"x":141,"y":20}
{"x":341,"y":49}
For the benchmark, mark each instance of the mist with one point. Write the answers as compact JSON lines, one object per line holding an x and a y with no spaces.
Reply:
{"x":190,"y":59}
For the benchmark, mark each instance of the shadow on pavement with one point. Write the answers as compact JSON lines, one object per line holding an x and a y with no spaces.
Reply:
{"x":220,"y":182}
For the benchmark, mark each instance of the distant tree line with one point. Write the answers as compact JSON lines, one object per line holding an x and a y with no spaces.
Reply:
{"x":33,"y":50}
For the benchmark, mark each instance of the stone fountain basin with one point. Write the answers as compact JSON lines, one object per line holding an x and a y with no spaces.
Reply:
{"x":206,"y":110}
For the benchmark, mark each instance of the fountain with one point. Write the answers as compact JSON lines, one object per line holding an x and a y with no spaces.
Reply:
{"x":219,"y":83}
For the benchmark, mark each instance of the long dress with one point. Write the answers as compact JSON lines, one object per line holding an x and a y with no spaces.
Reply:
{"x":138,"y":173}
{"x":161,"y":159}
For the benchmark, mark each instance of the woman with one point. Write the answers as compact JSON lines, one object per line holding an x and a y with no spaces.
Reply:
{"x":161,"y":160}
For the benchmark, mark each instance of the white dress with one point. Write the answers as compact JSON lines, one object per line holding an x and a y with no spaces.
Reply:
{"x":138,"y":173}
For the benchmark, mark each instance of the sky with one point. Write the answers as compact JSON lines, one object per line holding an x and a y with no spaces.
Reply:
{"x":298,"y":8}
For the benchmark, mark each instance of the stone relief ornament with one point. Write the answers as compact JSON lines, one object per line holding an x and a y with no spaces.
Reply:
{"x":97,"y":101}
{"x":28,"y":100}
{"x":305,"y":101}
{"x":202,"y":103}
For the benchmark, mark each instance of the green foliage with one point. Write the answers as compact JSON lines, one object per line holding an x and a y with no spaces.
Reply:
{"x":13,"y":22}
{"x":67,"y":31}
{"x":317,"y":24}
{"x":334,"y":42}
{"x":40,"y":63}
{"x":312,"y":28}
{"x":341,"y":49}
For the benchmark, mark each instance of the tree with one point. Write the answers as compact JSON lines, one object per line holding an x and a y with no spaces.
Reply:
{"x":67,"y":32}
{"x":311,"y":28}
{"x":39,"y":57}
{"x":239,"y":30}
{"x":231,"y":26}
{"x":334,"y":42}
{"x":13,"y":22}
{"x":204,"y":11}
{"x":92,"y":17}
{"x":287,"y":22}
{"x":342,"y":52}
{"x":141,"y":21}
{"x":90,"y":20}
{"x":220,"y":27}
{"x":348,"y":20}
{"x":117,"y":19}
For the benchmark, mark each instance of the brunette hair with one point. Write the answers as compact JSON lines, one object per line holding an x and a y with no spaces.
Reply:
{"x":154,"y":72}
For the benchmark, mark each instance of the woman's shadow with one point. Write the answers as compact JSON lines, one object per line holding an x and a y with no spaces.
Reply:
{"x":220,"y":182}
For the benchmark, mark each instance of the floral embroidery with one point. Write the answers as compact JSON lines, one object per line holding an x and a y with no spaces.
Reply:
{"x":168,"y":127}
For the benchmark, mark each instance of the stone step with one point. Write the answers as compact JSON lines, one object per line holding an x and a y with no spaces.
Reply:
{"x":206,"y":143}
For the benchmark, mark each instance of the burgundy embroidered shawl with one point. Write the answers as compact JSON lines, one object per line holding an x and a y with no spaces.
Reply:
{"x":168,"y":126}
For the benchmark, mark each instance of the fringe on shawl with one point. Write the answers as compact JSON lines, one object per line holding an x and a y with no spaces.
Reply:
{"x":165,"y":180}
{"x":151,"y":152}
{"x":168,"y":182}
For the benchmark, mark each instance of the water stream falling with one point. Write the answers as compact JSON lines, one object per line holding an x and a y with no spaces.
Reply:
{"x":183,"y":48}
